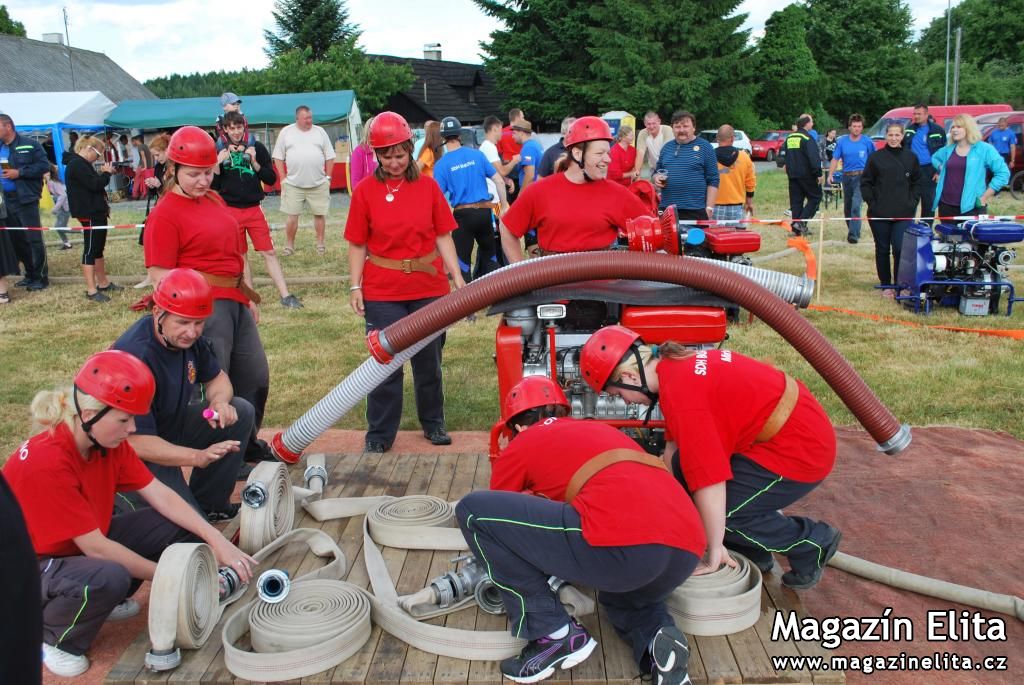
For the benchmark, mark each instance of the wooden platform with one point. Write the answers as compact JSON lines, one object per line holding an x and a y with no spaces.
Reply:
{"x":739,"y":658}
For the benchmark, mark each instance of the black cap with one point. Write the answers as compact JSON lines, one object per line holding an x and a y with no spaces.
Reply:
{"x":450,"y":128}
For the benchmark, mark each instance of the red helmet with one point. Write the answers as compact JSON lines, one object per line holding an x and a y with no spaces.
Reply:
{"x":192,"y":146}
{"x":586,"y":129}
{"x":532,"y":392}
{"x":389,"y":128}
{"x":118,"y":380}
{"x":603,"y":352}
{"x":184,"y":292}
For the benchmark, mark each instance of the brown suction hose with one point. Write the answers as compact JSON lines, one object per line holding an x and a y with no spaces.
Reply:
{"x":549,"y":271}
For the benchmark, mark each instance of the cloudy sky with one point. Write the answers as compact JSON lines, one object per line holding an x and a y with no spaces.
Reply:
{"x":150,"y":38}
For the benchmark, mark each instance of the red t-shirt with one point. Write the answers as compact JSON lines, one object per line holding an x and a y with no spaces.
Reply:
{"x":572,"y":217}
{"x":621,"y":168}
{"x":716,"y":402}
{"x":63,"y":495}
{"x":406,"y":228}
{"x":197,"y":234}
{"x":624,"y":504}
{"x":507,"y":146}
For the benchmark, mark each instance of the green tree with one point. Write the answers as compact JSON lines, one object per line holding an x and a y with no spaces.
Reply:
{"x":670,"y":54}
{"x":536,"y":58}
{"x":789,"y":81}
{"x":991,"y":31}
{"x":863,"y":49}
{"x":10,"y":26}
{"x":313,"y":24}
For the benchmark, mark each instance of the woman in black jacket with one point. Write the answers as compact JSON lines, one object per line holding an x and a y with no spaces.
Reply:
{"x":87,"y":199}
{"x":889,"y":187}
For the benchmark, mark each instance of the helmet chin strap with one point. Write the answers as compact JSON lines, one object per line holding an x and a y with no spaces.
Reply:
{"x":87,"y":425}
{"x":160,"y":332}
{"x":183,"y":191}
{"x":643,"y":388}
{"x":580,"y":163}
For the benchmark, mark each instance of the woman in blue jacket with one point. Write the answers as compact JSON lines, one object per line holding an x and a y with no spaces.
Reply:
{"x":962,"y":166}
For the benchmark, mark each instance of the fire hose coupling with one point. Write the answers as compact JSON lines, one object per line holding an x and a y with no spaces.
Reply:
{"x":315,"y":471}
{"x":470,"y":580}
{"x":378,"y":344}
{"x":898,"y":442}
{"x":272,"y":586}
{"x":255,"y":495}
{"x":229,"y":582}
{"x":163,"y":659}
{"x":282,"y":452}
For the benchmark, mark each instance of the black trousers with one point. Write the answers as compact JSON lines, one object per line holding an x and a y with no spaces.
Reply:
{"x":78,"y":593}
{"x":523,"y":540}
{"x":94,"y":242}
{"x":236,"y":342}
{"x":28,"y":245}
{"x":888,"y":240}
{"x":754,"y":523}
{"x":927,"y":187}
{"x":804,"y":197}
{"x":476,"y":227}
{"x":384,"y":404}
{"x":21,"y":617}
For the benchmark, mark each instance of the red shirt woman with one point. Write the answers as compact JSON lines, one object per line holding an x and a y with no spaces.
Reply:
{"x":623,"y":157}
{"x":399,"y":233}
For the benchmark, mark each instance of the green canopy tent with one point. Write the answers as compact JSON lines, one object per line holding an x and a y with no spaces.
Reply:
{"x":336,"y":111}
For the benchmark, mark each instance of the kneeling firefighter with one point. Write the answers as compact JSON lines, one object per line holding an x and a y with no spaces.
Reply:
{"x":751,"y":440}
{"x":600,"y":512}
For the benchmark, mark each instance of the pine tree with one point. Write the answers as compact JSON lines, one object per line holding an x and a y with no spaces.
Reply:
{"x":313,"y":24}
{"x":9,"y":26}
{"x":789,"y":79}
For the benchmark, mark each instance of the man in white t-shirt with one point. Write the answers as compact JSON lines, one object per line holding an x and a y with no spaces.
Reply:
{"x":307,"y":152}
{"x":648,"y":145}
{"x":492,"y":134}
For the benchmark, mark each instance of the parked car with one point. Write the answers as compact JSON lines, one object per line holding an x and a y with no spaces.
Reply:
{"x":767,"y":146}
{"x":943,"y":115}
{"x":742,"y":139}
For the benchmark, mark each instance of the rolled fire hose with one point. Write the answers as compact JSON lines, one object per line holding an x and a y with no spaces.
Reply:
{"x":268,"y":501}
{"x":931,"y":587}
{"x":723,"y":602}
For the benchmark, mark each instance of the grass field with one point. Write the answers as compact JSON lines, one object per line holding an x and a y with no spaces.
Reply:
{"x":926,"y":376}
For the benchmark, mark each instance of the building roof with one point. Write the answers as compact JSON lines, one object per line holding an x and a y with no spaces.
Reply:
{"x":442,"y":88}
{"x":35,"y":66}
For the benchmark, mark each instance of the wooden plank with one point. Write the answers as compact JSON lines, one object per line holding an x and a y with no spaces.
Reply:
{"x":777,"y":648}
{"x":592,"y":671}
{"x":719,"y":662}
{"x":131,"y":662}
{"x":752,"y":658}
{"x":786,"y":600}
{"x":698,"y":673}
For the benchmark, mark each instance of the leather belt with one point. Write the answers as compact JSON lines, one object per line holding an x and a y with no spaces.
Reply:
{"x":852,"y":173}
{"x":603,"y":461}
{"x":237,"y":282}
{"x":485,"y":204}
{"x":777,"y":419}
{"x":407,"y":266}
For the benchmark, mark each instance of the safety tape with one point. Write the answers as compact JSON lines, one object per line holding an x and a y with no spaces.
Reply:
{"x":998,"y":333}
{"x":688,"y":222}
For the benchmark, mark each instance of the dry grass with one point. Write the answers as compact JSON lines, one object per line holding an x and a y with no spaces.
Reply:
{"x":925,"y":376}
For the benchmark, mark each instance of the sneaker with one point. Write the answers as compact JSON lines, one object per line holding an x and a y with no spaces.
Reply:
{"x":853,"y":241}
{"x":23,"y":283}
{"x":110,"y":287}
{"x":375,"y":447}
{"x":805,"y":581}
{"x":670,"y":657}
{"x":63,"y":664}
{"x":36,"y":286}
{"x":539,"y":659}
{"x":125,"y":609}
{"x":438,"y":436}
{"x":229,"y":512}
{"x":97,"y":297}
{"x":144,"y":283}
{"x":65,"y":246}
{"x":291,"y":302}
{"x":258,"y":451}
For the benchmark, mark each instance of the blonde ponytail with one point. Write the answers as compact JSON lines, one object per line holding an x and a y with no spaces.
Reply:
{"x":50,"y":408}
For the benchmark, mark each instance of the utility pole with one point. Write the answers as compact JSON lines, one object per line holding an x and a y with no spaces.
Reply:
{"x":945,"y":98}
{"x":71,"y":61}
{"x":956,"y":68}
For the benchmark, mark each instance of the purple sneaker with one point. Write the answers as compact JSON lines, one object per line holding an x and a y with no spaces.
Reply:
{"x":539,"y":659}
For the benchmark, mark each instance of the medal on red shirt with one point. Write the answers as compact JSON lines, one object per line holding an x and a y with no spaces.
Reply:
{"x":390,"y":197}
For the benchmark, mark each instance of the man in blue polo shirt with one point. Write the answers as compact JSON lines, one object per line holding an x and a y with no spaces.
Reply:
{"x":692,"y":171}
{"x":925,"y":138}
{"x":462,"y":175}
{"x":189,"y":381}
{"x":1004,"y":140}
{"x":853,"y":151}
{"x":530,"y":154}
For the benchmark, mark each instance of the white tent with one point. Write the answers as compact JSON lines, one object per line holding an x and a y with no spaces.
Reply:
{"x":57,"y":112}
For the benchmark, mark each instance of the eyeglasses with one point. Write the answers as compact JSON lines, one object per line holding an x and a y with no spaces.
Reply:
{"x":98,"y":154}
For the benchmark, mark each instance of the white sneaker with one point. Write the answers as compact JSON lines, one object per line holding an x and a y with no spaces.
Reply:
{"x":145,"y":283}
{"x":125,"y":609}
{"x":63,"y":664}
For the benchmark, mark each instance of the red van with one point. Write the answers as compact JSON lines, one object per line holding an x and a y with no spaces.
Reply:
{"x":942,"y":114}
